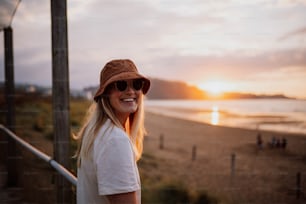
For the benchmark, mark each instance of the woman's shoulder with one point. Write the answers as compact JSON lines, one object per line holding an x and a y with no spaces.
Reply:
{"x":110,"y":131}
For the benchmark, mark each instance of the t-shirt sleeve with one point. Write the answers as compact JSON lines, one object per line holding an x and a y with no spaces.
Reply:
{"x":116,"y":167}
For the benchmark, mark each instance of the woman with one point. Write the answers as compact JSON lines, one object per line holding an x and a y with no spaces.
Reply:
{"x":111,"y":140}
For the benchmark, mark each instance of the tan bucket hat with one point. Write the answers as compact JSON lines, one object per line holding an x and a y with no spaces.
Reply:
{"x":119,"y":69}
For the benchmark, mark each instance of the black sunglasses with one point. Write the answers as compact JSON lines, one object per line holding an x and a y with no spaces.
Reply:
{"x":122,"y":85}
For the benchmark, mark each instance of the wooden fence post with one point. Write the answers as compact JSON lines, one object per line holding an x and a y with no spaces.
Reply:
{"x":60,"y":96}
{"x":298,"y":185}
{"x":194,"y":152}
{"x":13,"y":153}
{"x":233,"y":161}
{"x":161,"y":141}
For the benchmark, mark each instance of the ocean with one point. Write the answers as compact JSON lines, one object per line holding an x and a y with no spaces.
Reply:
{"x":281,"y":115}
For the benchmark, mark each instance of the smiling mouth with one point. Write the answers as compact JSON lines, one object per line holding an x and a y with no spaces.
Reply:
{"x":128,"y":99}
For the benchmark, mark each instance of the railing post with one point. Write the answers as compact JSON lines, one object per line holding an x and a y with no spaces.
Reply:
{"x":60,"y":91}
{"x":12,"y":151}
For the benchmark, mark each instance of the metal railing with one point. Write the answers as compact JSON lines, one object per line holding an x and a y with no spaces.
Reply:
{"x":58,"y":167}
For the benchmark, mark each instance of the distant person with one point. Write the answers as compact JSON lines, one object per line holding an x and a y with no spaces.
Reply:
{"x":273,"y":142}
{"x":259,"y":141}
{"x":278,"y":143}
{"x":284,"y":143}
{"x":111,"y":139}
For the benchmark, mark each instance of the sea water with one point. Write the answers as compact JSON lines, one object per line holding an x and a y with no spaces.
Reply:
{"x":283,"y":115}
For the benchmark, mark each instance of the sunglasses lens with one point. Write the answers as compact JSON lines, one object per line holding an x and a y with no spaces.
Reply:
{"x":137,"y":84}
{"x":121,"y":85}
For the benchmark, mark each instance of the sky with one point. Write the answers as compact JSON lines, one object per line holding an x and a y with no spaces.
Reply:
{"x":256,"y":46}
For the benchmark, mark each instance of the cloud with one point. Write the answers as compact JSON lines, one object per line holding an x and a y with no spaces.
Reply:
{"x":169,"y":39}
{"x":234,"y":65}
{"x":301,"y":32}
{"x":292,"y":2}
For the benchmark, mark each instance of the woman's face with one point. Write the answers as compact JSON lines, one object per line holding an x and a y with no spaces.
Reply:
{"x":124,"y":97}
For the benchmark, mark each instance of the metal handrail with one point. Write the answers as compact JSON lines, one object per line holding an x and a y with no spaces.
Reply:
{"x":58,"y":167}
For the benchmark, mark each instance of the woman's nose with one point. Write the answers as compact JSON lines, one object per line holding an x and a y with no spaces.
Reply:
{"x":130,"y":89}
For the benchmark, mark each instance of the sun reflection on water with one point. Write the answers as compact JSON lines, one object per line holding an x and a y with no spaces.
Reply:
{"x":214,"y":120}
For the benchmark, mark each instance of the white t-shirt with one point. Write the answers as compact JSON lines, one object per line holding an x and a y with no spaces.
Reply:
{"x":111,"y":170}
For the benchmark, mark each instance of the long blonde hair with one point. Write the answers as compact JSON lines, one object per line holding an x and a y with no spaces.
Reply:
{"x":97,"y":115}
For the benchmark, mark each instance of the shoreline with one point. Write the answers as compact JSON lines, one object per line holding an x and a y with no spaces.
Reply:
{"x":209,"y":119}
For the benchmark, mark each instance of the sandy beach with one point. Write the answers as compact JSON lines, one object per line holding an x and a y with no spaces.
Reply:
{"x":255,"y":177}
{"x":224,"y":162}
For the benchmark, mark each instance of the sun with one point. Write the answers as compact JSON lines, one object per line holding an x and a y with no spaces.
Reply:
{"x":214,"y":87}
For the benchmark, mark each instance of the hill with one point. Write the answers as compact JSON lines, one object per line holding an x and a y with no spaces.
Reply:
{"x":164,"y":89}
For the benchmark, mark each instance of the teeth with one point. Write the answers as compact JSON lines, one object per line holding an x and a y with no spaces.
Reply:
{"x":128,"y":100}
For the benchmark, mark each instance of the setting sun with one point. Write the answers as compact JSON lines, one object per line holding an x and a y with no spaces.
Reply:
{"x":214,"y":87}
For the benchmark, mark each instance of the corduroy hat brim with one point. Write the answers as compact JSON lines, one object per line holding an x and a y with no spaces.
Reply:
{"x":129,"y":72}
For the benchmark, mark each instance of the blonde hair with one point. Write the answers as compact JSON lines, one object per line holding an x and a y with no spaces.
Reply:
{"x":97,"y":115}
